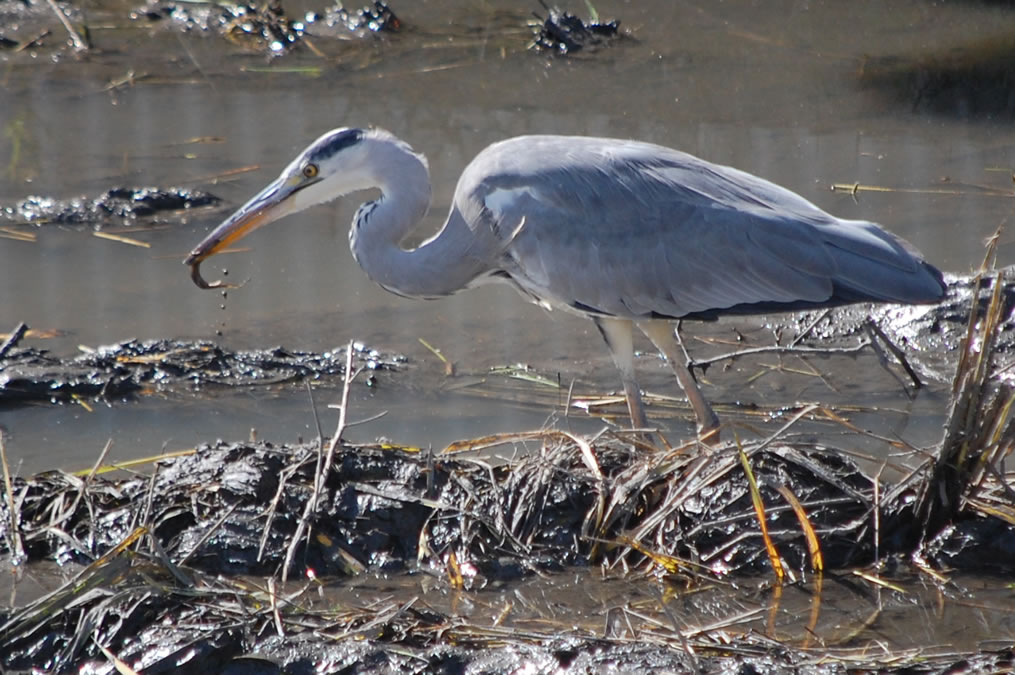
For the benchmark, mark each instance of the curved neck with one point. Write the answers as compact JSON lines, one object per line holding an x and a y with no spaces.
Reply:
{"x":442,"y":265}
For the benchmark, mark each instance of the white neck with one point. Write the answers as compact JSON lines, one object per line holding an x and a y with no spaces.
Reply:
{"x":442,"y":265}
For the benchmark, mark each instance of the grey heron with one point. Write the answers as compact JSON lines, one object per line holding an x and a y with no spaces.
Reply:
{"x":623,"y":232}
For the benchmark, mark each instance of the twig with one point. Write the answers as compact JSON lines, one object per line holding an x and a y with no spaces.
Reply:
{"x":781,"y":431}
{"x":688,"y":361}
{"x":121,"y":239}
{"x":13,"y":339}
{"x":130,"y":78}
{"x":119,"y":664}
{"x":79,"y":42}
{"x":287,"y":474}
{"x":873,"y":328}
{"x":31,"y":42}
{"x":780,"y":349}
{"x":197,"y":64}
{"x":273,"y":506}
{"x":806,"y":331}
{"x":273,"y":596}
{"x":340,"y":429}
{"x":877,"y":514}
{"x":83,"y":487}
{"x":856,"y":188}
{"x":13,"y":514}
{"x":323,"y":470}
{"x":688,"y":649}
{"x":366,"y":420}
{"x":146,"y":513}
{"x":208,"y":535}
{"x":163,"y":557}
{"x":320,"y":447}
{"x":313,"y":409}
{"x":567,"y":401}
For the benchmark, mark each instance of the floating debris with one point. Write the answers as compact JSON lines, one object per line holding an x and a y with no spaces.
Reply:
{"x":256,"y":27}
{"x":253,"y":27}
{"x":33,"y":23}
{"x":375,"y":18}
{"x":115,"y":372}
{"x":268,"y":27}
{"x":564,"y":33}
{"x":125,"y":205}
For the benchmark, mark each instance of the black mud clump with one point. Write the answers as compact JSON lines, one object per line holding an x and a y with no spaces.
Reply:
{"x":115,"y":206}
{"x":119,"y":371}
{"x":928,"y":335}
{"x":374,"y":18}
{"x":564,"y":33}
{"x":231,"y":509}
{"x":268,"y":27}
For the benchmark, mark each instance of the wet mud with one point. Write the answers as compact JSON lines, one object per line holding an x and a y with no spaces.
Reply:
{"x":116,"y":206}
{"x":191,"y":543}
{"x":389,"y":509}
{"x":128,"y":369}
{"x":178,"y":544}
{"x":563,"y":33}
{"x":269,"y":27}
{"x":273,"y":29}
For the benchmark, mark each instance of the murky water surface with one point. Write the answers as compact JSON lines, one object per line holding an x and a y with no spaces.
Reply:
{"x":835,"y":613}
{"x":773,"y":88}
{"x":841,"y":615}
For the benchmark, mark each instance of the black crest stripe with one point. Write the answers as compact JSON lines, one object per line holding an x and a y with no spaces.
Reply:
{"x":335,"y":144}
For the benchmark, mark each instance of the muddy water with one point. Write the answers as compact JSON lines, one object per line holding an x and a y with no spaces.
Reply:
{"x":616,"y":607}
{"x":772,"y":89}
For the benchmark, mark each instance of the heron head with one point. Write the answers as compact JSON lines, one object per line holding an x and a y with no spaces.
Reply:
{"x":333,"y":165}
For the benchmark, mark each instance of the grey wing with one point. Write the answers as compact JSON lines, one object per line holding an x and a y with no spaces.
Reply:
{"x":631,"y":229}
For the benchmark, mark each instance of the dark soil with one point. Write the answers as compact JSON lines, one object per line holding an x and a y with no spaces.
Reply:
{"x":167,"y":555}
{"x":122,"y":371}
{"x":117,"y":206}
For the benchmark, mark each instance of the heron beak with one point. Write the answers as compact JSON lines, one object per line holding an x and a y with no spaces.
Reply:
{"x":268,"y":205}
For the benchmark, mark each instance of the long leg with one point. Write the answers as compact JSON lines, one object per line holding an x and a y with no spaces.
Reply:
{"x":619,"y":338}
{"x":661,"y":334}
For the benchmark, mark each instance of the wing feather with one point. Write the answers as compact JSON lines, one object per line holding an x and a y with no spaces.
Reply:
{"x":633,"y":229}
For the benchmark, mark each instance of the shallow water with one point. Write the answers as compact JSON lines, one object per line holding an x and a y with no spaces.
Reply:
{"x":835,"y":613}
{"x":772,"y":89}
{"x":842,"y":618}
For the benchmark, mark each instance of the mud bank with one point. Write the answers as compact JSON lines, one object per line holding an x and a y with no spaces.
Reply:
{"x":188,"y":567}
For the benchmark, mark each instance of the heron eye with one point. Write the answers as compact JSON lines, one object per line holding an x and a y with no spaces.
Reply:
{"x":310,"y":171}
